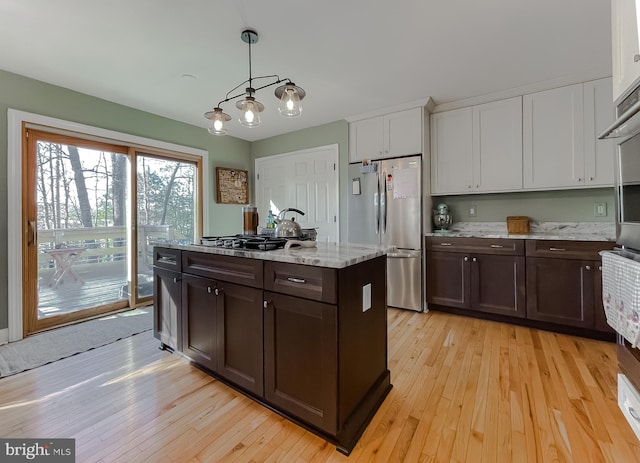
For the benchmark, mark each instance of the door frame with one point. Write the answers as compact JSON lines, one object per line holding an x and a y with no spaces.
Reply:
{"x":15,"y":121}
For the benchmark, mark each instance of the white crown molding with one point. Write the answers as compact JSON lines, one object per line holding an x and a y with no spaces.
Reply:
{"x":419,"y":103}
{"x":562,"y":81}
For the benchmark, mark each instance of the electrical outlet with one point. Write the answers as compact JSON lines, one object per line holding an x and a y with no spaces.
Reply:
{"x":600,"y":210}
{"x":473,"y":210}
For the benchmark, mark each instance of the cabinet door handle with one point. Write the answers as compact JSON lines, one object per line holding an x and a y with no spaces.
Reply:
{"x":217,"y":292}
{"x":600,"y":268}
{"x":466,"y":259}
{"x":175,"y":280}
{"x":209,"y":289}
{"x":636,"y":58}
{"x":557,"y":249}
{"x":588,"y":267}
{"x":475,"y":259}
{"x":297,"y":280}
{"x":497,"y":246}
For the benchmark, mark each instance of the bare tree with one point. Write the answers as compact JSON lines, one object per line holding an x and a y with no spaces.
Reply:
{"x":119,"y":164}
{"x":167,"y":195}
{"x":83,"y":197}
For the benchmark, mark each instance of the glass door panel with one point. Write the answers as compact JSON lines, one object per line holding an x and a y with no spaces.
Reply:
{"x":166,"y":210}
{"x":80,"y":200}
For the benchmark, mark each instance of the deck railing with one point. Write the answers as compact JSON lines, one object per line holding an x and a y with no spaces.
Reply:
{"x":102,"y":244}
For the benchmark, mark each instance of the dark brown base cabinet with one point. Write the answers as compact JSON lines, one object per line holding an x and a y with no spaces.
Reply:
{"x":222,"y":330}
{"x":294,"y":337}
{"x":549,"y":283}
{"x":301,"y":359}
{"x":564,"y":283}
{"x":477,"y":274}
{"x":167,"y":298}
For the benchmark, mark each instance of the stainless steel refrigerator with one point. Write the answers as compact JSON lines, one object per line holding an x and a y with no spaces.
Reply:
{"x":385,"y":207}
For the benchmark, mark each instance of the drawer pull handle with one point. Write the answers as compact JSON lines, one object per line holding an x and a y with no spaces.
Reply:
{"x":167,"y":259}
{"x":497,"y":246}
{"x":557,"y":249}
{"x":297,"y":280}
{"x":445,"y":244}
{"x":633,"y":413}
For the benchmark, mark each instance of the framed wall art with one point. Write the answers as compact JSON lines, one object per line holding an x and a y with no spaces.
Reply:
{"x":232,"y":186}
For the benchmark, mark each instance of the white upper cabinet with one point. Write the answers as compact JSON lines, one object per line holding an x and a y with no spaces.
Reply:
{"x":625,"y":45}
{"x":390,"y":135}
{"x":451,"y":148}
{"x":478,"y":149}
{"x":560,"y":129}
{"x":553,"y":138}
{"x":497,"y":146}
{"x":599,"y":114}
{"x":540,"y":141}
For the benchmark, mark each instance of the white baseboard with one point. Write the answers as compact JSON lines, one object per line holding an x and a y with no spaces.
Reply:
{"x":4,"y":336}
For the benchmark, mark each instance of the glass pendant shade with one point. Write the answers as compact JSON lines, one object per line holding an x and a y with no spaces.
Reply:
{"x":290,"y":95}
{"x":250,"y":109}
{"x":290,"y":105}
{"x":217,"y":120}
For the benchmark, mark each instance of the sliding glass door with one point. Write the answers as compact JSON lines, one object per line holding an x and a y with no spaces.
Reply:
{"x":166,"y":209}
{"x":79,"y":241}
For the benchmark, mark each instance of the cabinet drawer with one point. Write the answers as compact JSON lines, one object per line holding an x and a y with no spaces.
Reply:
{"x":503,"y":246}
{"x":315,"y":283}
{"x":239,"y":270}
{"x":167,"y":258}
{"x":581,"y":250}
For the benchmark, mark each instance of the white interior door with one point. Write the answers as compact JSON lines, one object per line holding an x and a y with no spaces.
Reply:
{"x":306,"y":180}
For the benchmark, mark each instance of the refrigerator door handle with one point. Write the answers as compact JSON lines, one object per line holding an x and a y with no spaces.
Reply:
{"x":383,"y":203}
{"x":376,"y":208}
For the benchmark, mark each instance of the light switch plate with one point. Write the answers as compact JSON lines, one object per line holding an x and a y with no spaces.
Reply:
{"x":366,"y":297}
{"x":473,"y":211}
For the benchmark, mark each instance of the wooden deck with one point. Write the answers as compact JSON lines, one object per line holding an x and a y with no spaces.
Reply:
{"x":103,"y":284}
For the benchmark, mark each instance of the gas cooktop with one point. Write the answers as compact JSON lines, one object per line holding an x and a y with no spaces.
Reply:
{"x":255,"y":242}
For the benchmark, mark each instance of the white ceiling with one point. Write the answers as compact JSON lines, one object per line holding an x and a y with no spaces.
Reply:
{"x":351,"y":56}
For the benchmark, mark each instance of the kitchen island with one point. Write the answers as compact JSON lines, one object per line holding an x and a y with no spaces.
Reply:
{"x":302,"y":331}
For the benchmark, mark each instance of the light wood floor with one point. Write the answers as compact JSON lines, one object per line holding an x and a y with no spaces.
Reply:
{"x":465,"y":390}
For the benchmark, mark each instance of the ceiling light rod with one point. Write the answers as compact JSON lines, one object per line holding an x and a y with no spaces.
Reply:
{"x":289,"y":95}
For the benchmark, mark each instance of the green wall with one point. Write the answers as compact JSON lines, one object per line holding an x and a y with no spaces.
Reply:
{"x":539,"y":206}
{"x":33,"y":96}
{"x":322,"y":135}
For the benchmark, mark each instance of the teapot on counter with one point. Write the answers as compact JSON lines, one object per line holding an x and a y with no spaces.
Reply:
{"x":286,"y":228}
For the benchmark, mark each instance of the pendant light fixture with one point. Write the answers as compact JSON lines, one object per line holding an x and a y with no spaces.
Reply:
{"x":289,"y":95}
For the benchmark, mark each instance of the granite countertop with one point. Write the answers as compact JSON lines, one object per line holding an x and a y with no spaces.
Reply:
{"x":570,"y":231}
{"x":332,"y":255}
